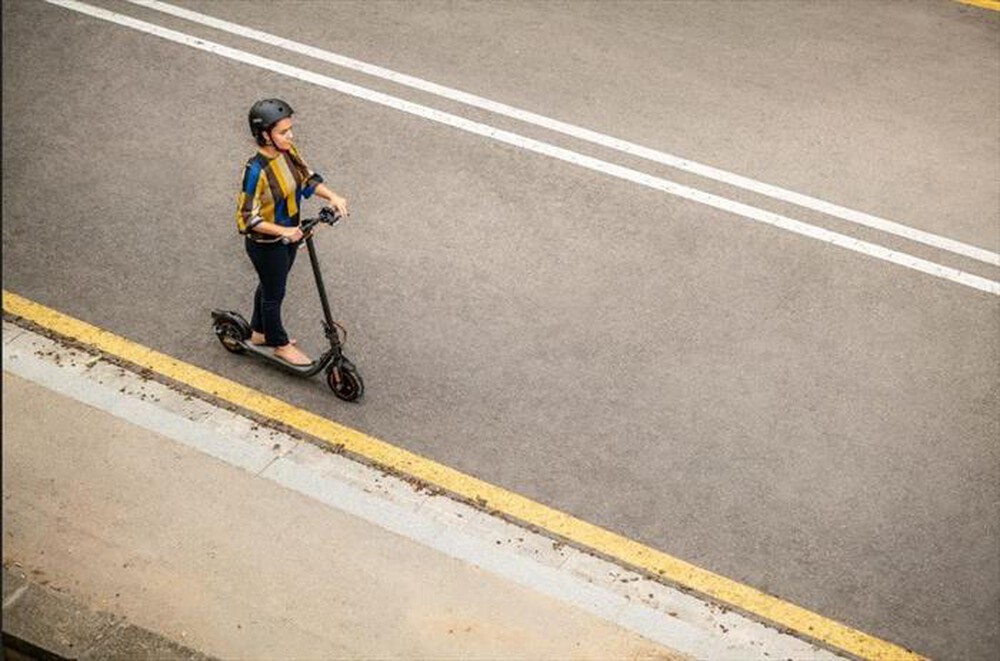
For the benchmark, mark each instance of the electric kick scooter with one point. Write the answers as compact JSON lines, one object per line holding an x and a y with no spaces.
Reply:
{"x":342,"y":376}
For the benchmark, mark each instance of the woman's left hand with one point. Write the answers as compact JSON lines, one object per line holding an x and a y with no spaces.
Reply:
{"x":340,"y":204}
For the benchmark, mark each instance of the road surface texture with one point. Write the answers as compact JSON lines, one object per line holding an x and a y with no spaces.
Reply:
{"x":811,"y":420}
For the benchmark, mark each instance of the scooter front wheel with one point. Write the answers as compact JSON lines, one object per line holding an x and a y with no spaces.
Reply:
{"x":345,"y":380}
{"x":230,"y":335}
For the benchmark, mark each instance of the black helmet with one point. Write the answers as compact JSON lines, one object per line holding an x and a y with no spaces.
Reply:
{"x":266,"y":113}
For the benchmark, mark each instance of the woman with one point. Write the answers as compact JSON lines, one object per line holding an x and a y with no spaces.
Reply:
{"x":274,"y":182}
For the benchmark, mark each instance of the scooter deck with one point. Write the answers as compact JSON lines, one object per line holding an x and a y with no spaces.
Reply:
{"x":268,"y":352}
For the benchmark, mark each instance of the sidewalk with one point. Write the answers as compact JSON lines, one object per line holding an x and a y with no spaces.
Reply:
{"x":273,"y":548}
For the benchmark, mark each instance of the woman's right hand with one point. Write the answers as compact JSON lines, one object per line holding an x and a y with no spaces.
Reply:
{"x":293,"y":234}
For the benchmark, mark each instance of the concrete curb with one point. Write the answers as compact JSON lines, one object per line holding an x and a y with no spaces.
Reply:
{"x":44,"y":623}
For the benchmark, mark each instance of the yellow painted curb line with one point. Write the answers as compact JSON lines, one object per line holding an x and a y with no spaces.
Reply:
{"x":604,"y":542}
{"x":984,"y":4}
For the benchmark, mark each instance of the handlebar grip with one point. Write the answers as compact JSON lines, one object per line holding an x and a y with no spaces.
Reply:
{"x":328,"y":215}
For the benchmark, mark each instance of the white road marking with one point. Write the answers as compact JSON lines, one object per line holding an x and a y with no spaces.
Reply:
{"x":581,"y":133}
{"x":655,"y":611}
{"x":597,"y":165}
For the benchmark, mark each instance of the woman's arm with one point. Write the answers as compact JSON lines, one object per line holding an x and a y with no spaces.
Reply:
{"x":273,"y":229}
{"x":314,"y":184}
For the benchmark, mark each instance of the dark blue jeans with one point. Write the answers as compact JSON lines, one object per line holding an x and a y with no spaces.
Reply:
{"x":272,"y":261}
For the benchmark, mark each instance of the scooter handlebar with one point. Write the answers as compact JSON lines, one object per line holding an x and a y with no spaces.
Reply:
{"x":327,"y":216}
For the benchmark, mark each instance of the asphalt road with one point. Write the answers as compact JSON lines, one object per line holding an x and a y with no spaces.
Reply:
{"x":812,"y":421}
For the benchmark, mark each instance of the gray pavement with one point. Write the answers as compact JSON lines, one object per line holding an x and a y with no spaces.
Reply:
{"x":810,"y":421}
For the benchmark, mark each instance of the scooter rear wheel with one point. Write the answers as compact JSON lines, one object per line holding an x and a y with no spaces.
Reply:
{"x":345,"y":381}
{"x":230,"y":335}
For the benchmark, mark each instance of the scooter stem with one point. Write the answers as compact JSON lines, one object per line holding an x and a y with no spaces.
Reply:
{"x":320,"y":287}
